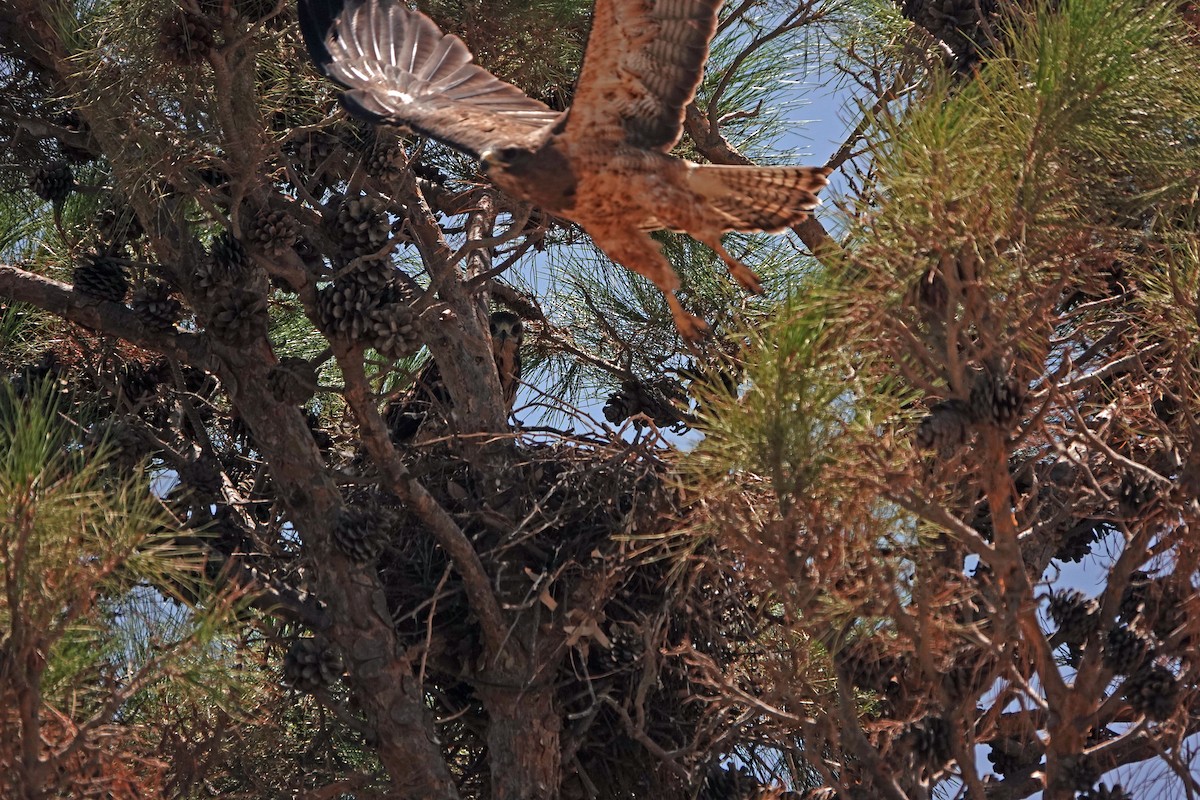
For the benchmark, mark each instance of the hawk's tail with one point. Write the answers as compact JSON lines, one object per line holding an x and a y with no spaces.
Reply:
{"x":767,"y":199}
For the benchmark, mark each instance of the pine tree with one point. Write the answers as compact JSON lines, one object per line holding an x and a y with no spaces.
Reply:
{"x":840,"y":580}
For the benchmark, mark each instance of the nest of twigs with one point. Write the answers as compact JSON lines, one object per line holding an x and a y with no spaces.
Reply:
{"x":588,"y":536}
{"x":645,"y":622}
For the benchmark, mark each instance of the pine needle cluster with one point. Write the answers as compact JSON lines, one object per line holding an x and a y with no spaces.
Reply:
{"x":988,"y":385}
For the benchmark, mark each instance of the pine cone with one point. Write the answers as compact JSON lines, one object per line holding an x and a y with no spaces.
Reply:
{"x":202,"y":477}
{"x":626,"y":651}
{"x":127,"y":447}
{"x":101,"y":277}
{"x":930,"y":741}
{"x":1011,"y":755}
{"x":1076,"y":615}
{"x":387,"y":161}
{"x":1169,"y":614}
{"x":392,"y":331}
{"x":376,"y":274}
{"x":228,"y":254}
{"x":1134,"y":492}
{"x":628,"y":647}
{"x":315,"y":150}
{"x":1077,"y":542}
{"x":664,"y":393}
{"x":996,"y":399}
{"x":969,"y":678}
{"x":30,"y":376}
{"x":946,"y":428}
{"x":622,"y":404}
{"x":653,"y":401}
{"x":868,"y":666}
{"x":1135,"y":596}
{"x":1152,"y":690}
{"x":343,"y":309}
{"x":361,"y":226}
{"x":1078,"y":773}
{"x":359,"y":533}
{"x":274,"y":232}
{"x":1126,"y":649}
{"x":238,"y":317}
{"x":1154,"y":602}
{"x":185,"y":38}
{"x":310,"y":665}
{"x":228,"y":267}
{"x":155,"y":307}
{"x":53,"y":182}
{"x":138,"y":381}
{"x":292,"y":381}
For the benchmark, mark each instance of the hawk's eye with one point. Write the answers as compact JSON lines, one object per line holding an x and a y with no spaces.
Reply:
{"x":516,"y":329}
{"x":492,"y":328}
{"x":510,"y":153}
{"x":502,"y":157}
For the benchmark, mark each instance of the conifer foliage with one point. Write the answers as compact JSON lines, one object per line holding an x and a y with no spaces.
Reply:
{"x":1018,"y":290}
{"x":834,"y":551}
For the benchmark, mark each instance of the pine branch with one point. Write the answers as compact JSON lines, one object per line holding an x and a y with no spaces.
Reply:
{"x":112,"y":319}
{"x":400,"y":481}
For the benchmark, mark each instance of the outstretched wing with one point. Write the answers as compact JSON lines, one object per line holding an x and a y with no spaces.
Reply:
{"x":399,"y":68}
{"x":643,"y":63}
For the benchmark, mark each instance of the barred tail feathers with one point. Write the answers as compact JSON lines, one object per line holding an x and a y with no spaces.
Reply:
{"x":768,"y":199}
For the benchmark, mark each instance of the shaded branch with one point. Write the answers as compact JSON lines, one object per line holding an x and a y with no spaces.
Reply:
{"x":423,"y":504}
{"x":111,"y":319}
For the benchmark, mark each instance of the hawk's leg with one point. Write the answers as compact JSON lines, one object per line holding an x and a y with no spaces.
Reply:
{"x":690,"y":327}
{"x":740,"y":272}
{"x":638,"y":252}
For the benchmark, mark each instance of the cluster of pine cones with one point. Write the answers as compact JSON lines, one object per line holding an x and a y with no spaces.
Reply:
{"x":1130,"y":646}
{"x":996,"y":399}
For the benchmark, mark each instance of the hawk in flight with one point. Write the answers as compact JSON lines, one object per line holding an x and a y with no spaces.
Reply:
{"x":605,"y":162}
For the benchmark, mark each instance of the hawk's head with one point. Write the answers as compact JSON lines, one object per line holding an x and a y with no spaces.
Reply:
{"x":542,"y":176}
{"x":503,"y":165}
{"x":507,"y":330}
